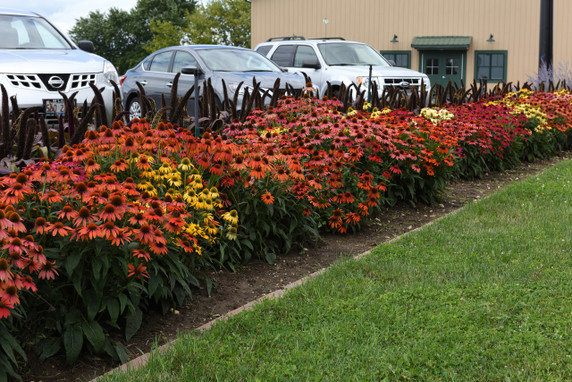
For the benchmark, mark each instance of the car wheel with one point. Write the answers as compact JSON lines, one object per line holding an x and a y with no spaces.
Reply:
{"x":134,"y":108}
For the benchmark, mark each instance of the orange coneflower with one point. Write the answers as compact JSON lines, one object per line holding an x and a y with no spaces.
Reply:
{"x":58,"y":229}
{"x":83,"y":217}
{"x":89,"y":232}
{"x":137,"y":219}
{"x":140,"y":271}
{"x":40,"y":225}
{"x":186,"y":245}
{"x":158,"y":247}
{"x":51,"y":197}
{"x":110,"y":213}
{"x":145,"y":234}
{"x":120,"y":165}
{"x":267,"y":198}
{"x":15,"y":222}
{"x":67,"y":212}
{"x":109,"y":230}
{"x":141,"y":254}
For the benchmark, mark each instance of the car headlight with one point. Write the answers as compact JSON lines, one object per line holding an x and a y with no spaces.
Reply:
{"x":110,"y":73}
{"x":362,"y":80}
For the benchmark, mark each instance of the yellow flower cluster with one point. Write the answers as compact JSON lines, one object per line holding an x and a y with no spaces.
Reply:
{"x":517,"y":101}
{"x":436,"y":115}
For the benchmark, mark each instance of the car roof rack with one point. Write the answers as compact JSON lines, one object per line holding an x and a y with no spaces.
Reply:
{"x":285,"y":38}
{"x":328,"y":38}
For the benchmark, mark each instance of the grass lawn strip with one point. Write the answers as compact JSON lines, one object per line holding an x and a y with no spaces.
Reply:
{"x":484,"y":294}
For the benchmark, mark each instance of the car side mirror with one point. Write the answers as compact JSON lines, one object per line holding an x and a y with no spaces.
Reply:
{"x":192,"y":70}
{"x":391,"y":62}
{"x":311,"y":64}
{"x":86,"y":45}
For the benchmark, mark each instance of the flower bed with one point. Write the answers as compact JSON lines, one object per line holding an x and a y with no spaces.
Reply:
{"x":129,"y":218}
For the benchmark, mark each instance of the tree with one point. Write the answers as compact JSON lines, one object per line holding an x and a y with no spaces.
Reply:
{"x":121,"y":36}
{"x":219,"y":22}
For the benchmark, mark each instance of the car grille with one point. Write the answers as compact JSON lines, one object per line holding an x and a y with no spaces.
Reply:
{"x":401,"y":82}
{"x":42,"y":81}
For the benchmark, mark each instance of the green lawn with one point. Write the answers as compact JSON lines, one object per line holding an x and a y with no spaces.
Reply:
{"x":484,"y":294}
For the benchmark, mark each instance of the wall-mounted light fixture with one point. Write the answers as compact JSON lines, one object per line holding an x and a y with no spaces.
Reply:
{"x":491,"y":39}
{"x":394,"y":38}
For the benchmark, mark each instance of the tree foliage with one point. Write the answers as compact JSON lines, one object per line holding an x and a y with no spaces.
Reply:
{"x":219,"y":22}
{"x":121,"y":36}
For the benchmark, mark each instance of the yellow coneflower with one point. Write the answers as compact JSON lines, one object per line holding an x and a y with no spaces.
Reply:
{"x":231,"y":217}
{"x":231,"y":233}
{"x":186,"y":165}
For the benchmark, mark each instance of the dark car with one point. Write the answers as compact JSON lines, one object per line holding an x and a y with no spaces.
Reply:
{"x":231,"y":64}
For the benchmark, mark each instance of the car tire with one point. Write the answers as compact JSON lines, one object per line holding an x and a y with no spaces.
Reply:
{"x":134,"y":108}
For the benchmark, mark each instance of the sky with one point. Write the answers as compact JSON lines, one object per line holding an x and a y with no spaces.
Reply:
{"x":64,"y":13}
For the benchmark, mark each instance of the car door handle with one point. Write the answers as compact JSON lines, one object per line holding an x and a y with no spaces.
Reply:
{"x":169,"y":84}
{"x":144,"y":82}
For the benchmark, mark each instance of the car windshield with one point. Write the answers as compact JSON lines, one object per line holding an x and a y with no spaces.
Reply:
{"x":344,"y":54}
{"x":236,"y":60}
{"x":26,"y":32}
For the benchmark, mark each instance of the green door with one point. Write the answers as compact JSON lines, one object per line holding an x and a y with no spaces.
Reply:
{"x":443,"y":66}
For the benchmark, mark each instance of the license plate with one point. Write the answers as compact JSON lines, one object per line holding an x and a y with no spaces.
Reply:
{"x":54,"y":107}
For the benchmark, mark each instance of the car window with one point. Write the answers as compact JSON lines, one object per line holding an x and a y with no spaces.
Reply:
{"x":263,"y":50}
{"x":160,"y":62}
{"x":304,"y":53}
{"x":183,"y":59}
{"x":235,"y":60}
{"x":24,"y":32}
{"x":351,"y":54}
{"x":284,"y":55}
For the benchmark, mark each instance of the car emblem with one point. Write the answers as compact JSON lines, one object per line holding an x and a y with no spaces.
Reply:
{"x":404,"y":84}
{"x":56,"y":82}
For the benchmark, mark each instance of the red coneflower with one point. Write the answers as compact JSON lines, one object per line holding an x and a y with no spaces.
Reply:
{"x":15,"y":222}
{"x":120,"y":165}
{"x":28,"y":283}
{"x":145,"y":234}
{"x":58,"y":229}
{"x":51,"y":197}
{"x":10,"y":294}
{"x":48,"y":271}
{"x":5,"y":309}
{"x":5,"y":273}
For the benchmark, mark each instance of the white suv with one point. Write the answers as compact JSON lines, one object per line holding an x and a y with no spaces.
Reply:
{"x":338,"y":61}
{"x":37,"y":61}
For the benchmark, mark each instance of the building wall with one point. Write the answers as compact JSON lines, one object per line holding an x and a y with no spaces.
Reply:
{"x":514,"y":25}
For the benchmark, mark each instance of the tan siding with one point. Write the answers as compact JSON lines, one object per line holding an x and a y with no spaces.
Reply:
{"x":514,"y":24}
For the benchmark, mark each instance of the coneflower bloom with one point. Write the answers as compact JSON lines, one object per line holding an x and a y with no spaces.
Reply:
{"x":83,"y":217}
{"x":141,"y":254}
{"x":109,"y":230}
{"x":110,"y":213}
{"x":9,"y":294}
{"x":51,"y":197}
{"x":5,"y":272}
{"x":140,"y":271}
{"x":28,"y":283}
{"x":15,"y":222}
{"x":231,"y":217}
{"x":267,"y":198}
{"x":145,"y":234}
{"x":58,"y":229}
{"x":120,"y":165}
{"x":67,"y":212}
{"x":48,"y":271}
{"x":88,"y":232}
{"x":5,"y":309}
{"x":123,"y":236}
{"x":137,"y":219}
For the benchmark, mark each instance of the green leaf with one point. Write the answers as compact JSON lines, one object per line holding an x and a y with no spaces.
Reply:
{"x":270,"y":257}
{"x":72,"y":261}
{"x":93,"y":302}
{"x":50,"y":347}
{"x":133,"y":323}
{"x":94,"y":334}
{"x":112,"y":305}
{"x":73,"y":342}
